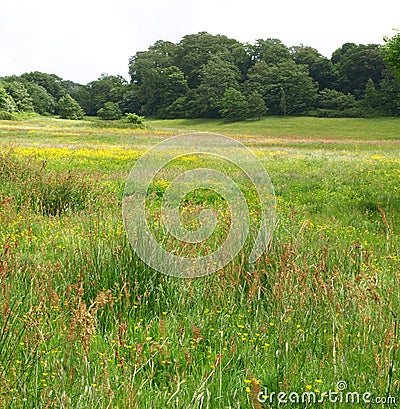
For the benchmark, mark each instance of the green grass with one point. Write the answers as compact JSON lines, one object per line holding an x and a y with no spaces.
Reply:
{"x":309,"y":128}
{"x":84,"y":323}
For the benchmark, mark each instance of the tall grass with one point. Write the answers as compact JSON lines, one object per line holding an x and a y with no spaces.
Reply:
{"x":84,"y":323}
{"x":28,"y":181}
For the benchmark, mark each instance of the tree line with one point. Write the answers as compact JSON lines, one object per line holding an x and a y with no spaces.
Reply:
{"x":213,"y":76}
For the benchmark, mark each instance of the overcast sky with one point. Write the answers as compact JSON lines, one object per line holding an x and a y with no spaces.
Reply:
{"x":81,"y":39}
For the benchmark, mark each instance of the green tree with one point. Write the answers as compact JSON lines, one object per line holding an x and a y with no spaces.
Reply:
{"x":390,"y":92}
{"x":269,"y":80}
{"x":196,"y":50}
{"x":182,"y":107}
{"x":68,"y":108}
{"x":173,"y":79}
{"x":110,"y":111}
{"x":320,"y":68}
{"x":6,"y":101}
{"x":371,"y":96}
{"x":160,"y":88}
{"x":282,"y":102}
{"x":233,"y":105}
{"x":131,"y":99}
{"x":160,"y":55}
{"x":108,"y":88}
{"x":256,"y":105}
{"x":80,"y":93}
{"x":337,"y":55}
{"x":50,"y":82}
{"x":43,"y":102}
{"x":270,"y":51}
{"x":215,"y":77}
{"x":392,"y":52}
{"x":156,"y":82}
{"x":335,"y":100}
{"x":20,"y":95}
{"x":356,"y":64}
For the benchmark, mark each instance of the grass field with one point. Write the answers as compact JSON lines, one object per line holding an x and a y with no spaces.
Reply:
{"x":84,"y":323}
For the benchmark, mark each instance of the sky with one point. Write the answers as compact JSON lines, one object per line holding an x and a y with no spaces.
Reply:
{"x":81,"y":39}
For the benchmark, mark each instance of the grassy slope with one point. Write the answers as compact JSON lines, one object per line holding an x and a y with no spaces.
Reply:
{"x":87,"y":324}
{"x":302,"y":127}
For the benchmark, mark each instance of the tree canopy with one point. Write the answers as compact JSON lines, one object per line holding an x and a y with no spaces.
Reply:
{"x":69,"y":108}
{"x":294,"y":80}
{"x":392,"y":48}
{"x":203,"y":74}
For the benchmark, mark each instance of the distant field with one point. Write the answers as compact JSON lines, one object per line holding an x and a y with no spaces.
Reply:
{"x":295,"y":127}
{"x":84,"y":323}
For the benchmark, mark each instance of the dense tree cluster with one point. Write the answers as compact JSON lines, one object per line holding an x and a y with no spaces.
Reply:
{"x":211,"y":76}
{"x":39,"y":92}
{"x":216,"y":76}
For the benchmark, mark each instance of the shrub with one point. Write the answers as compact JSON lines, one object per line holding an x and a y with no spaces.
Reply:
{"x":330,"y":99}
{"x":135,"y":119}
{"x":354,"y":112}
{"x":110,"y":111}
{"x":5,"y":115}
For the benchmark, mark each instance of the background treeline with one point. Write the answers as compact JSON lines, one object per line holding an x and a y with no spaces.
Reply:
{"x":211,"y":76}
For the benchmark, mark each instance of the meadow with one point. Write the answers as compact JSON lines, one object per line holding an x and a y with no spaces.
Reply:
{"x":84,"y":323}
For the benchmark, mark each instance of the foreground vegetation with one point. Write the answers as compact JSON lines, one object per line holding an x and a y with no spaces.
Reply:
{"x":85,"y":324}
